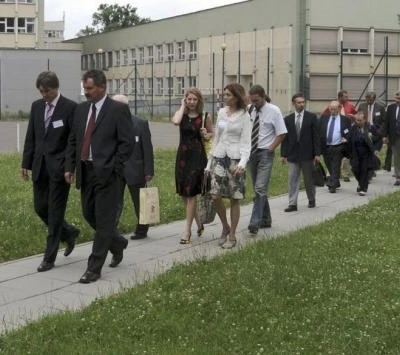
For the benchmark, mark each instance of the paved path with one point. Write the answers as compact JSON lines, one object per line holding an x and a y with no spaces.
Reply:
{"x":12,"y":135}
{"x":26,"y":295}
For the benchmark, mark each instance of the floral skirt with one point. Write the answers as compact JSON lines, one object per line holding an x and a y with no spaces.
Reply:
{"x":223,"y":182}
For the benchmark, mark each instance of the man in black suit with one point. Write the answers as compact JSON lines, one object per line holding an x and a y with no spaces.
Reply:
{"x":139,"y":169}
{"x":49,"y":125}
{"x":375,"y":113}
{"x":301,"y":149}
{"x":333,"y":131}
{"x":391,"y":132}
{"x":98,"y":146}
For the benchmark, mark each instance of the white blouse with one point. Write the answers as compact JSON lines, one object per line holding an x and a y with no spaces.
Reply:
{"x":232,"y":137}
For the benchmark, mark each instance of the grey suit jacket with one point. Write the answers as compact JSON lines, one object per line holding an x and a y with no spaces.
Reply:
{"x":141,"y":162}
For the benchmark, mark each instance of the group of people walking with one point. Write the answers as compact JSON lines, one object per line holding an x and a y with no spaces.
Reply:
{"x":100,"y":146}
{"x":247,"y":132}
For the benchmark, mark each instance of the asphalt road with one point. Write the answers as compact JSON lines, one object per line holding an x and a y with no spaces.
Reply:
{"x":12,"y":136}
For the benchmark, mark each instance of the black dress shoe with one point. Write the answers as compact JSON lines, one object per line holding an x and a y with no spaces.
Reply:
{"x":253,"y":230}
{"x":291,"y":208}
{"x":70,"y":247}
{"x":265,"y":225}
{"x":71,"y":242}
{"x":136,"y":236}
{"x":332,"y":190}
{"x":116,"y":259}
{"x":89,"y":277}
{"x":397,"y":183}
{"x":45,"y":266}
{"x":311,"y":204}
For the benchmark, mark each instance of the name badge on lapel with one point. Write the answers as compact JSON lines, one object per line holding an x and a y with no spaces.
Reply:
{"x":58,"y":123}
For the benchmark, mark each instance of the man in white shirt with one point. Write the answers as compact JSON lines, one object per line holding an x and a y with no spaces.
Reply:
{"x":268,"y":131}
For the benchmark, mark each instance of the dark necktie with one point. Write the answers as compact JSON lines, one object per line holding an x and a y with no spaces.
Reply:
{"x":330,"y":130}
{"x":88,"y":134}
{"x":298,"y":126}
{"x":49,"y":113}
{"x":254,"y":133}
{"x":398,"y":118}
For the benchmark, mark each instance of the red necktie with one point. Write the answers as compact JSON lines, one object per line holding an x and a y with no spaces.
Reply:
{"x":88,"y":134}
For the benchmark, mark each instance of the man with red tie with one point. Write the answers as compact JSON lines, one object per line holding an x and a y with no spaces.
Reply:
{"x":98,"y":146}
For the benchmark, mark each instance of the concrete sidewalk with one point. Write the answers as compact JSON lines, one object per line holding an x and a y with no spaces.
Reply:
{"x":26,"y":295}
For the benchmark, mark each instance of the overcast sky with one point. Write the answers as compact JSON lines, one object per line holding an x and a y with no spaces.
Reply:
{"x":78,"y":13}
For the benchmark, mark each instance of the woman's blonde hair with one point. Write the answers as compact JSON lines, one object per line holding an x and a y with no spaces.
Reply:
{"x":200,"y":103}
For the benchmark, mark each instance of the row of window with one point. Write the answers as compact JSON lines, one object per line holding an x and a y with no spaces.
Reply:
{"x":149,"y":54}
{"x":17,"y":25}
{"x":144,"y":86}
{"x":354,"y":41}
{"x":54,"y":34}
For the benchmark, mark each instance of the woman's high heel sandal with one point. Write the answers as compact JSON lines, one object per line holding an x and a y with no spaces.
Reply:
{"x":186,"y":240}
{"x":229,"y":244}
{"x":200,"y":230}
{"x":224,"y":235}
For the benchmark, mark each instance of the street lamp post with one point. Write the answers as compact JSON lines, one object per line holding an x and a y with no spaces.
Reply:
{"x":223,"y":47}
{"x":100,"y":52}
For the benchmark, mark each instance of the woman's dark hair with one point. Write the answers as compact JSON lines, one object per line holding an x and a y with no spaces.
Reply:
{"x":239,"y":93}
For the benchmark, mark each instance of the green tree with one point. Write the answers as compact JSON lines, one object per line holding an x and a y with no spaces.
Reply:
{"x":113,"y":17}
{"x":87,"y":31}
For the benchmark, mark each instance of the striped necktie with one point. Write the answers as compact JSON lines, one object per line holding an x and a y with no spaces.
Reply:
{"x":49,"y":114}
{"x":254,"y":133}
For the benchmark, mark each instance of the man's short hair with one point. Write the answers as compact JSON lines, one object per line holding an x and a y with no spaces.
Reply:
{"x":297,"y":95}
{"x":97,"y":76}
{"x":47,"y":80}
{"x":341,"y":93}
{"x":257,"y":90}
{"x":370,"y":94}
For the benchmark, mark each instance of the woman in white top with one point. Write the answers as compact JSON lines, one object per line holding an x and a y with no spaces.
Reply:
{"x":228,"y":158}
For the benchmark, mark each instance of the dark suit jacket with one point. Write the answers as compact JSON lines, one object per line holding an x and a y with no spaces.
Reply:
{"x":48,"y":146}
{"x":367,"y":134}
{"x":308,"y":145}
{"x":389,"y":128}
{"x":378,"y":113}
{"x":141,"y":162}
{"x":344,"y":129}
{"x":111,"y":141}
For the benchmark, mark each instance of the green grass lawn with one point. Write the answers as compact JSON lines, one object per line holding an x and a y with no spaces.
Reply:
{"x":332,"y":288}
{"x":23,"y":234}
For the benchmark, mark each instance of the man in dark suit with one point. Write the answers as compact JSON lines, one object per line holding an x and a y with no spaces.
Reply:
{"x":333,"y":130}
{"x":49,"y":125}
{"x":375,"y":113}
{"x":98,"y":146}
{"x":391,"y":132}
{"x":301,"y":149}
{"x":139,"y":169}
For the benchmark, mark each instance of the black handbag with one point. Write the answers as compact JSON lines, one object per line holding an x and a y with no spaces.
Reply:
{"x":319,"y":174}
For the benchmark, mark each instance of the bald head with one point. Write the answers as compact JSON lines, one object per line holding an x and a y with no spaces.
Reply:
{"x":121,"y":98}
{"x":334,"y":108}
